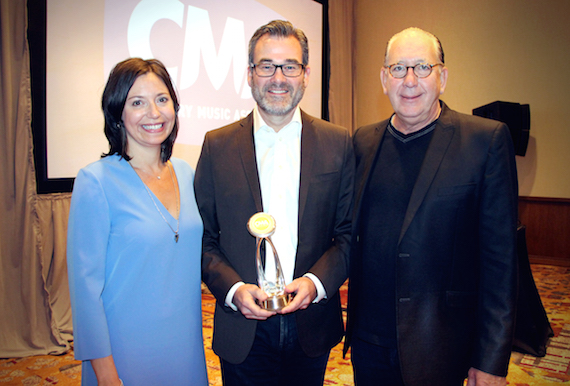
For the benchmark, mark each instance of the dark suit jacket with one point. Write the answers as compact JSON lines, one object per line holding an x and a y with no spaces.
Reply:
{"x":456,"y":268}
{"x":228,"y":194}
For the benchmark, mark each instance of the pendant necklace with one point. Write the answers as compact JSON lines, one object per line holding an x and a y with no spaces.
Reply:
{"x":176,"y":235}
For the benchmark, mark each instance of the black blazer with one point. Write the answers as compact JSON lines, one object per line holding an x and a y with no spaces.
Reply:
{"x":228,"y":194}
{"x":456,"y":268}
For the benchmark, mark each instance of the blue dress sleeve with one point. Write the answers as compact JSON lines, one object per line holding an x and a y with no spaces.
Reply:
{"x":88,"y":233}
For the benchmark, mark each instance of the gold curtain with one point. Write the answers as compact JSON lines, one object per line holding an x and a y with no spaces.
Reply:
{"x":342,"y":96}
{"x":28,"y":323}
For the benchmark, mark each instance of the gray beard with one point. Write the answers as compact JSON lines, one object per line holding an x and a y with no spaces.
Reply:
{"x":273,"y":108}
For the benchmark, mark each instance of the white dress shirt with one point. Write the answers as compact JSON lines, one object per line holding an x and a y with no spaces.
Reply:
{"x":278,"y":157}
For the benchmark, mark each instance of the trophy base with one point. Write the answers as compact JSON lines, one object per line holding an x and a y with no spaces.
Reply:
{"x":275,"y":303}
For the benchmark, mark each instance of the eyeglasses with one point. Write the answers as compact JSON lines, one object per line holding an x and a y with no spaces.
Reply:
{"x":421,"y":70}
{"x":290,"y":70}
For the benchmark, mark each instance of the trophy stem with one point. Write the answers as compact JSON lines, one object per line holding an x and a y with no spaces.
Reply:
{"x":262,"y":226}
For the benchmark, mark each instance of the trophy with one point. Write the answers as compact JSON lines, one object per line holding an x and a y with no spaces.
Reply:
{"x":262,"y":226}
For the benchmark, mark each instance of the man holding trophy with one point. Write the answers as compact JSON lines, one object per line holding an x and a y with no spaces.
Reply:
{"x":275,"y":194}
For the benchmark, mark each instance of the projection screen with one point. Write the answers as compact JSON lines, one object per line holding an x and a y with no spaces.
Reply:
{"x":203,"y":43}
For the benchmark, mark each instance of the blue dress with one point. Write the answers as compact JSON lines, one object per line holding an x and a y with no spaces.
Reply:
{"x":135,"y":292}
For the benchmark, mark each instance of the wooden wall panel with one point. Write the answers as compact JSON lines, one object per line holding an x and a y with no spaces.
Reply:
{"x":547,"y":222}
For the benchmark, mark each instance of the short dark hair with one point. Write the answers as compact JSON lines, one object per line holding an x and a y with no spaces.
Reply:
{"x":120,"y":81}
{"x":283,"y":29}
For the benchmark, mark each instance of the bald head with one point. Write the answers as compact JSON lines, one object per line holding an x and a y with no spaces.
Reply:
{"x":411,"y":32}
{"x":415,"y":99}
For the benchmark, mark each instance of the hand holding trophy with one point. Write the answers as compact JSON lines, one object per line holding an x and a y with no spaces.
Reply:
{"x":262,"y":226}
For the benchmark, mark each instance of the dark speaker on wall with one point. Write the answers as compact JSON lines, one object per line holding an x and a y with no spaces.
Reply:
{"x":515,"y":115}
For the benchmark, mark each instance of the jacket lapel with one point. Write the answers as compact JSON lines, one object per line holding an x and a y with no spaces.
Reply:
{"x":442,"y":135}
{"x":367,"y":162}
{"x":308,"y":146}
{"x":247,"y":154}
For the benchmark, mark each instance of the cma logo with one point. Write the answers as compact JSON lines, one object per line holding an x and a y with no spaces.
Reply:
{"x":262,"y":224}
{"x":198,"y":43}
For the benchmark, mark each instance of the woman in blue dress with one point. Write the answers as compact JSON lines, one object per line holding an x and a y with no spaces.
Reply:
{"x":134,"y":242}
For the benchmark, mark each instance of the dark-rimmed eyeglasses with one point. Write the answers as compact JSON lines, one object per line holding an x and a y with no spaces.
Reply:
{"x":421,"y":70}
{"x":290,"y":70}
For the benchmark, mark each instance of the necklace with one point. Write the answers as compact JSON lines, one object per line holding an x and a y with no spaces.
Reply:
{"x":150,"y":173}
{"x":176,"y":235}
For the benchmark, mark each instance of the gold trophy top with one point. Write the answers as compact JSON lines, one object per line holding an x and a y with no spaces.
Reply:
{"x":261,"y":225}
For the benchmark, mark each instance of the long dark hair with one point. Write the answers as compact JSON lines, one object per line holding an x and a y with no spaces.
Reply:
{"x":121,"y":79}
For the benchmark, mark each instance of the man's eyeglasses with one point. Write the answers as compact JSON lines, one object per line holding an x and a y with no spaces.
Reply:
{"x":421,"y":70}
{"x":290,"y":70}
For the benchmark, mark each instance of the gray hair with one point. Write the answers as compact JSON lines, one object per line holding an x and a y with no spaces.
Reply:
{"x":283,"y":29}
{"x":437,"y":44}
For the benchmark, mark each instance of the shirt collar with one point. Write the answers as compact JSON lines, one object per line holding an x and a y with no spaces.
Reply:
{"x":259,"y":123}
{"x":409,"y":137}
{"x":416,"y":134}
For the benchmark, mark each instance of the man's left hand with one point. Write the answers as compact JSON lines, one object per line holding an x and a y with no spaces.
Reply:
{"x":477,"y":377}
{"x":304,"y":291}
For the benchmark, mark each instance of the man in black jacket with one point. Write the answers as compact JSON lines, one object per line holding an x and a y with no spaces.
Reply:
{"x":433,"y":278}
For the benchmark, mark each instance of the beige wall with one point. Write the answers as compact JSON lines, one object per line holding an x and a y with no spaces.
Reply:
{"x":508,"y":50}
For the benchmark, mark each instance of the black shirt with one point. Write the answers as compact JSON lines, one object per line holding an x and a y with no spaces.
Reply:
{"x":384,"y":203}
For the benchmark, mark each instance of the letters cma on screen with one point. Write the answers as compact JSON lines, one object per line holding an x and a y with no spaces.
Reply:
{"x":202,"y":43}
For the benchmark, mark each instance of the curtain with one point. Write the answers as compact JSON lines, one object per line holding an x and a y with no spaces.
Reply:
{"x":27,"y":324}
{"x":341,"y":88}
{"x":53,"y":212}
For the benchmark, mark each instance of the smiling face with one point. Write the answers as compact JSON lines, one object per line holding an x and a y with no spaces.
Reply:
{"x":415,"y":100}
{"x":148,"y":114}
{"x":277,"y":96}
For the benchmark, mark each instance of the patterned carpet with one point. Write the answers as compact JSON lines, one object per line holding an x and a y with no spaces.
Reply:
{"x":554,"y":369}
